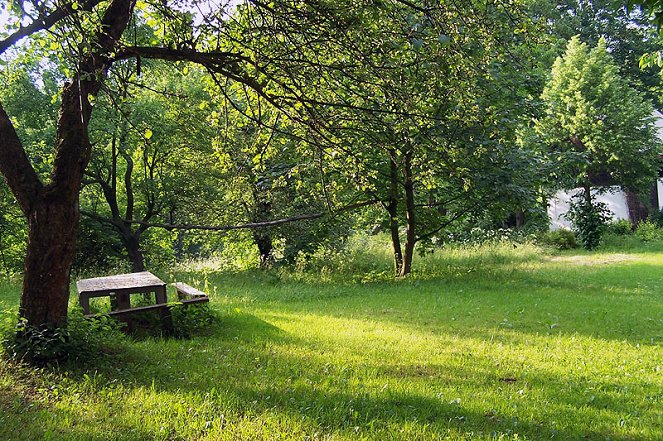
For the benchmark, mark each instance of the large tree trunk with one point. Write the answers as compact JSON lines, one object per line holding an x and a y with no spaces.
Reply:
{"x":587,"y":193}
{"x":132,"y":245}
{"x":53,"y":215}
{"x":410,"y":215}
{"x":637,"y":210}
{"x":392,"y":210}
{"x":262,"y":237}
{"x":52,"y":230}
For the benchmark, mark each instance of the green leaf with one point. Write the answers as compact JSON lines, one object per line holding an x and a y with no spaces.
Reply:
{"x":148,"y":134}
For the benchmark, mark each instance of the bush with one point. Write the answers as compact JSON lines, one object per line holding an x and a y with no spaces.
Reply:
{"x":82,"y":340}
{"x":560,"y":239}
{"x":589,"y":220}
{"x":620,"y":227}
{"x":657,"y":218}
{"x":193,"y":320}
{"x":648,"y":231}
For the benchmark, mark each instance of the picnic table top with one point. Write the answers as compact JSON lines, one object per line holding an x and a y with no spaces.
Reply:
{"x":144,"y":279}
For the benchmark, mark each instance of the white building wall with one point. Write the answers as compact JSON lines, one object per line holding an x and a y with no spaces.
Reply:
{"x":558,"y":206}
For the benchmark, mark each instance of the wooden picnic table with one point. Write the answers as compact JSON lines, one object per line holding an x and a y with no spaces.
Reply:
{"x":119,"y":288}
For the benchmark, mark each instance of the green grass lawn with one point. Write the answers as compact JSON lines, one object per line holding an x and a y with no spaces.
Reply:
{"x":485,"y":343}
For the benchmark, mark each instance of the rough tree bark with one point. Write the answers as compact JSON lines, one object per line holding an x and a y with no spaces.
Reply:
{"x":262,"y":236}
{"x":410,"y":214}
{"x":392,"y":210}
{"x":132,"y":244}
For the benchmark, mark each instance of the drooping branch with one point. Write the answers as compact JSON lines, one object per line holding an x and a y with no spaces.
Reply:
{"x":229,"y":65}
{"x":251,"y":225}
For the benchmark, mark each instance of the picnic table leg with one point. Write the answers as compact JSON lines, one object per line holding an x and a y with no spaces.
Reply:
{"x":120,"y":301}
{"x":84,"y":301}
{"x":166,"y":317}
{"x":160,"y":294}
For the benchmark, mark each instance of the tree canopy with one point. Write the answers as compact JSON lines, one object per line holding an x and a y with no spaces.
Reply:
{"x":599,"y":129}
{"x":164,"y":114}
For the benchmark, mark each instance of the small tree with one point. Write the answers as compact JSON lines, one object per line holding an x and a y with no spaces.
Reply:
{"x":598,"y":128}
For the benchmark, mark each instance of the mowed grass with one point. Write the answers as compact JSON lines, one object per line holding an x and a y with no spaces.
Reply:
{"x":481,"y":343}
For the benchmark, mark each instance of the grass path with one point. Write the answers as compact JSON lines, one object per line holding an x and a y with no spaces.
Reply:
{"x":480,"y":344}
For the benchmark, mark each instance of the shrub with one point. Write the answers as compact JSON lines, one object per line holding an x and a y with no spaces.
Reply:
{"x":657,"y":218}
{"x":621,"y":227}
{"x":560,"y":239}
{"x":648,"y":231}
{"x":589,"y":221}
{"x":193,"y":320}
{"x":82,"y":340}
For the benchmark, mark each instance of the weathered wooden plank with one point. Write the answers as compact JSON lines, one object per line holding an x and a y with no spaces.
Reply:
{"x":185,"y":291}
{"x":144,"y":279}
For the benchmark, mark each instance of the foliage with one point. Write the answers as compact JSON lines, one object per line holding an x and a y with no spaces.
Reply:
{"x":195,"y":320}
{"x":82,"y":341}
{"x":649,"y":231}
{"x":13,"y":235}
{"x":589,"y":220}
{"x":598,"y":131}
{"x":560,"y":239}
{"x":98,"y":249}
{"x":441,"y":146}
{"x":628,"y":33}
{"x":154,"y":160}
{"x":657,"y":217}
{"x":654,"y":7}
{"x":596,"y":126}
{"x":621,"y":227}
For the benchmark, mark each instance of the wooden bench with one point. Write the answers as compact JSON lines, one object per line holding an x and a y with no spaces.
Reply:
{"x":189,"y":294}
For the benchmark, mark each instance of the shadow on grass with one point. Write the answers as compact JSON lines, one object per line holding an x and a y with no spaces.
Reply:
{"x":249,"y":370}
{"x":18,"y":410}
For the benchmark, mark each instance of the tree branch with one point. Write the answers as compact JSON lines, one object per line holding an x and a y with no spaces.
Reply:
{"x":214,"y":60}
{"x":443,"y":225}
{"x":16,"y":167}
{"x":72,"y":138}
{"x":250,"y":225}
{"x":43,"y":23}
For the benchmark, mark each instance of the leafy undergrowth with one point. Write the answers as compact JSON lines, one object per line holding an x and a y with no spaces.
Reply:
{"x":482,"y":343}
